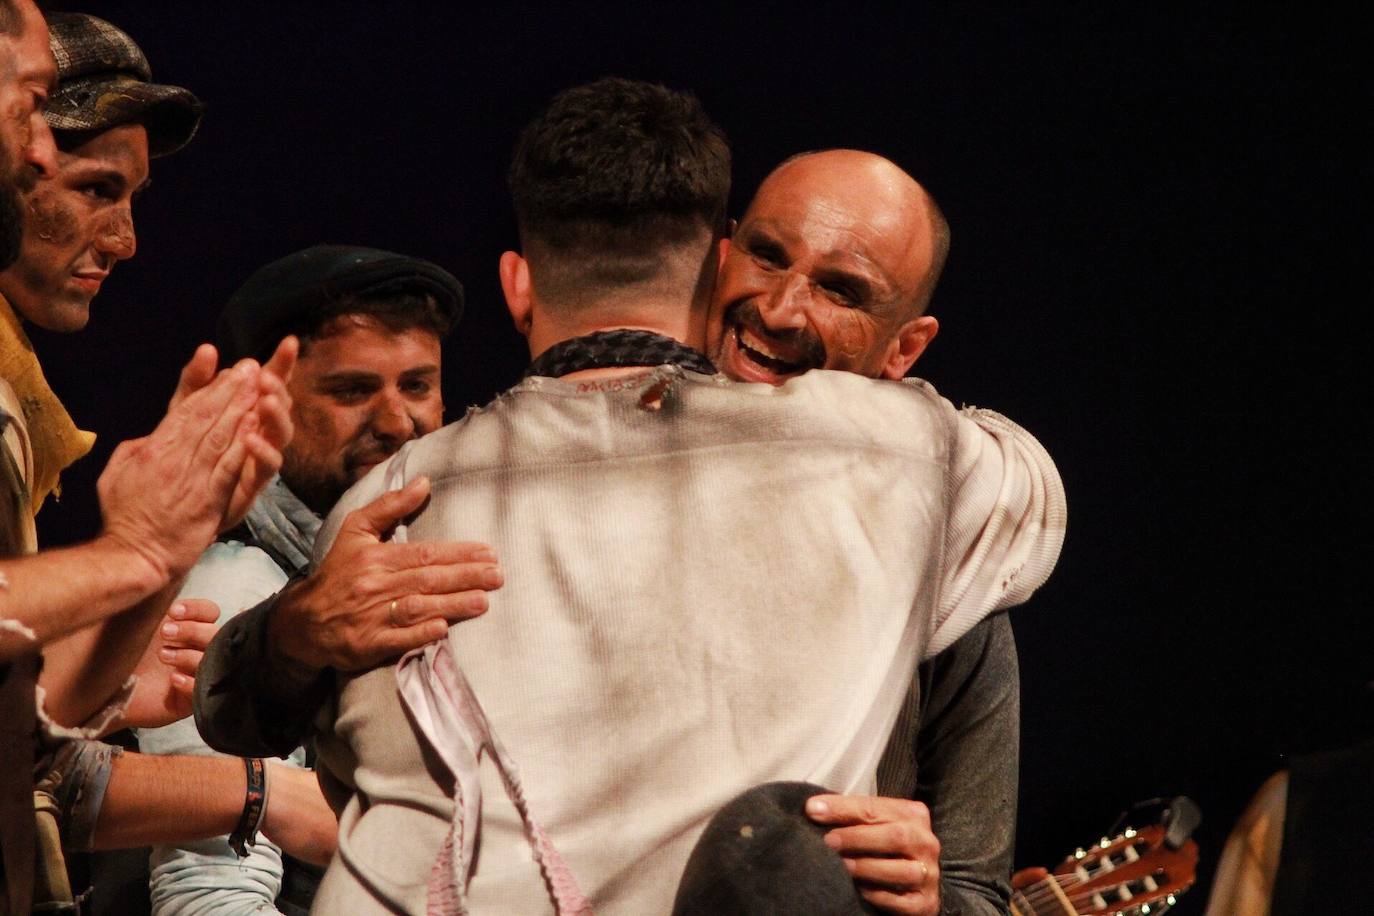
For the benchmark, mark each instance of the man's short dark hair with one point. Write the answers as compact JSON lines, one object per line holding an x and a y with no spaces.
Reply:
{"x":611,"y":174}
{"x":940,"y":238}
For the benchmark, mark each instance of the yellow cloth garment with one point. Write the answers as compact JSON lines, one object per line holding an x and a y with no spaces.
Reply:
{"x":54,"y":437}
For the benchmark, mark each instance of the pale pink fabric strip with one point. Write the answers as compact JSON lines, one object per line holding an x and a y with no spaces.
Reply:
{"x":440,"y":721}
{"x":444,"y":707}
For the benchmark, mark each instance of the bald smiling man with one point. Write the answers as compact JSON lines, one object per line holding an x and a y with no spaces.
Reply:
{"x":832,"y":267}
{"x":810,"y":282}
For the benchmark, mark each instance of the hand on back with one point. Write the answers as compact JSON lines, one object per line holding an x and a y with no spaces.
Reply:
{"x":370,"y":601}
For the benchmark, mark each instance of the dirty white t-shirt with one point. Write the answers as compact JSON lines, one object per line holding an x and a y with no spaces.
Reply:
{"x":724,"y":586}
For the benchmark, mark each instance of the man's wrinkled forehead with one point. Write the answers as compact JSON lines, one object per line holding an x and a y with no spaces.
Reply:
{"x":857,"y":207}
{"x":842,"y":249}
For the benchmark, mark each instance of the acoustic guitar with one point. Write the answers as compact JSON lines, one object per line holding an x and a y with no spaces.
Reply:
{"x":1137,"y":873}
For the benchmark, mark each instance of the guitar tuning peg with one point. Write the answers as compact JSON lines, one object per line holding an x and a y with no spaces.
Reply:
{"x":1104,"y":842}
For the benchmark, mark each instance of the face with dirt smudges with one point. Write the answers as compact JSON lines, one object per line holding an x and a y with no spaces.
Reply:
{"x":27,"y":76}
{"x":825,"y":272}
{"x":360,"y":391}
{"x":78,"y":225}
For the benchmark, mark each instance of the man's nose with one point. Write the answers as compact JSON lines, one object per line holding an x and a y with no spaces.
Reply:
{"x":40,"y":150}
{"x":391,"y":420}
{"x":785,"y":305}
{"x":116,"y":237}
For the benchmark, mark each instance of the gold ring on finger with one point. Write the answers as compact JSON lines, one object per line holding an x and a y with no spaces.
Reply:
{"x":391,"y":612}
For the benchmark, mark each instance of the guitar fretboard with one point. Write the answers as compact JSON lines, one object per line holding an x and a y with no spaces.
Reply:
{"x":1043,"y":898}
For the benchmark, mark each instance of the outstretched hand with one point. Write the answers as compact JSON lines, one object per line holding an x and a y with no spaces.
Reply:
{"x":167,"y":671}
{"x":370,"y":601}
{"x":888,"y":846}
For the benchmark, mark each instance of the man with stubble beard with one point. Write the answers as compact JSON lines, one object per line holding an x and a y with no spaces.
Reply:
{"x":370,"y":324}
{"x":27,"y":152}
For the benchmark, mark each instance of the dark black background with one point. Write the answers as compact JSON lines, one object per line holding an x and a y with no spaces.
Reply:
{"x":1160,"y":220}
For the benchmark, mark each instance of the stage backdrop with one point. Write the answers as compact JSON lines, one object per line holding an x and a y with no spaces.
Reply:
{"x":1158,"y":221}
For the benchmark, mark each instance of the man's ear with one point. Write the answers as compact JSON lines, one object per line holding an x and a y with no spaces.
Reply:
{"x":515,"y":285}
{"x":912,"y":340}
{"x":722,"y":252}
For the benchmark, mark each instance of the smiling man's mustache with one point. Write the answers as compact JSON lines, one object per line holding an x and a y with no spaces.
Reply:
{"x":807,"y":351}
{"x":369,"y":452}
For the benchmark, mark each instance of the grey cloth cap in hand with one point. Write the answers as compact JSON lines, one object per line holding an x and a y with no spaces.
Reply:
{"x":762,"y":856}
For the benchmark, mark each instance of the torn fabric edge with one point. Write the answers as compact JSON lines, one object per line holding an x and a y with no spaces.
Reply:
{"x":18,"y":629}
{"x":95,"y":726}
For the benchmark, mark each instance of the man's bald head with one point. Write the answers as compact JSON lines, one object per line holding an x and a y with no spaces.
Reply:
{"x":876,"y":189}
{"x":832,"y":266}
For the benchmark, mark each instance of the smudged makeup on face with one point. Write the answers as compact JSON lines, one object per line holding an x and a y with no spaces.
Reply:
{"x":823,"y":273}
{"x":50,"y":219}
{"x":27,"y":75}
{"x":360,"y":391}
{"x":78,"y":225}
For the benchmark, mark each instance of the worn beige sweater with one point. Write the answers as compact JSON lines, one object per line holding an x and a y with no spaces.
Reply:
{"x":53,"y":437}
{"x":729,"y":589}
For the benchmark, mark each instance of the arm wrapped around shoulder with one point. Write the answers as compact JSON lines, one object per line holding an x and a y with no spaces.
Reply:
{"x":1006,"y":525}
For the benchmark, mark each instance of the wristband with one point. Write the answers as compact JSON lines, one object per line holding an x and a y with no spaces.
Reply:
{"x":254,"y":807}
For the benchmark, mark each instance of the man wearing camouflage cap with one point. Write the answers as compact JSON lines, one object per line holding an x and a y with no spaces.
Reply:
{"x":78,"y":225}
{"x":108,"y":120}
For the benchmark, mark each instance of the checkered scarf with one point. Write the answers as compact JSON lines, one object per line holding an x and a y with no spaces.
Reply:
{"x":621,"y":347}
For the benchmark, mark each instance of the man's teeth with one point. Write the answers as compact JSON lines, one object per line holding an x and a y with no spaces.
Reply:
{"x":757,"y":346}
{"x":759,"y":352}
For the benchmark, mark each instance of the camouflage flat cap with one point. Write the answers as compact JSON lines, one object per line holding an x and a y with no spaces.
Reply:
{"x":104,"y":81}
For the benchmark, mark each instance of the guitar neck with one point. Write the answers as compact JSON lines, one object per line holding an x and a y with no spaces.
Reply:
{"x":1132,"y":874}
{"x":1043,"y":898}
